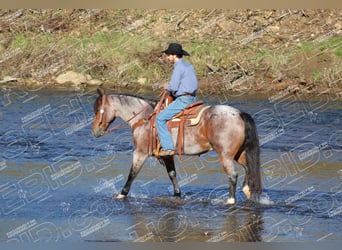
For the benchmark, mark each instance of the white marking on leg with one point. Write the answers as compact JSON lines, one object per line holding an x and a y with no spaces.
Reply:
{"x":230,"y":201}
{"x":120,"y":196}
{"x":247,"y":192}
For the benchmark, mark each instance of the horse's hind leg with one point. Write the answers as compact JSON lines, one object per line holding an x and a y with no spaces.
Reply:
{"x":228,"y":166}
{"x":243,"y":161}
{"x":138,"y":161}
{"x":171,"y":171}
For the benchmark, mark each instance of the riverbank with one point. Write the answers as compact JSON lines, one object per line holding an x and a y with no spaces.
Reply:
{"x":233,"y":51}
{"x":25,"y":91}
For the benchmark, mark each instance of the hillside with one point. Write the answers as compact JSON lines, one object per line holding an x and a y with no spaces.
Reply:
{"x":232,"y":50}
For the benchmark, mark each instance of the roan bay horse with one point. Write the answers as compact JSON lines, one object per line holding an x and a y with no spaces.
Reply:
{"x":231,"y":133}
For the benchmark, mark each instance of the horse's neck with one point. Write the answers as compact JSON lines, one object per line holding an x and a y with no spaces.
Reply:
{"x":130,"y":108}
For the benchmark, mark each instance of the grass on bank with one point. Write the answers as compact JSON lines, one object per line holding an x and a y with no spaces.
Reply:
{"x":125,"y":56}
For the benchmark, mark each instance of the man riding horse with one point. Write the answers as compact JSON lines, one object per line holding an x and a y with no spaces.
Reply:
{"x":222,"y":128}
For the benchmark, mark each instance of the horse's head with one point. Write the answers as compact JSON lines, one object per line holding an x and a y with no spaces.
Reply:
{"x":104,"y":115}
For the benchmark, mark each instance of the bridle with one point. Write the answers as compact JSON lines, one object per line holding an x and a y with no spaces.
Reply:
{"x":102,"y":107}
{"x":124,"y":122}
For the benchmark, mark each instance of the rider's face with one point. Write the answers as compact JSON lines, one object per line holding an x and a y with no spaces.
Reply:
{"x":171,"y":58}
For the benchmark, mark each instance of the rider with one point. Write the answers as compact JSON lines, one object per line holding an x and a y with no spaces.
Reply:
{"x":183,"y":87}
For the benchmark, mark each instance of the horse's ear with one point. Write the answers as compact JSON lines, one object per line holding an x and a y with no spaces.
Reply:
{"x":100,"y":91}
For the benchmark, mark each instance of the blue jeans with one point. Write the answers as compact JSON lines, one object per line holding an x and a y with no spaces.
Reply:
{"x":165,"y":115}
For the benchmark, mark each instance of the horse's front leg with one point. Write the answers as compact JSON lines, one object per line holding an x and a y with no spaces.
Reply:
{"x":138,"y":161}
{"x":171,"y":171}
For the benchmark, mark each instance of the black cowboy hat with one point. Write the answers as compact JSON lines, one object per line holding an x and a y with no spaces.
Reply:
{"x":175,"y":49}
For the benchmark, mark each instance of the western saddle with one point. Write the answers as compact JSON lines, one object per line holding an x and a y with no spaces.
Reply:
{"x":190,"y":116}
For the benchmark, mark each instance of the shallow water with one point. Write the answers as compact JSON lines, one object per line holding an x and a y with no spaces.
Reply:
{"x":58,"y":181}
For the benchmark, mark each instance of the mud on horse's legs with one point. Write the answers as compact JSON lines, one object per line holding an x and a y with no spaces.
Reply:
{"x":228,"y":166}
{"x":138,"y":161}
{"x":169,"y":163}
{"x":127,"y":187}
{"x":232,"y":189}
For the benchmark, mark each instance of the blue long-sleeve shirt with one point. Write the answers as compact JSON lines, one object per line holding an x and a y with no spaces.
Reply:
{"x":183,"y":79}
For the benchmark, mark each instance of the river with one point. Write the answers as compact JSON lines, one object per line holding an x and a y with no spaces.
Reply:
{"x":58,"y":180}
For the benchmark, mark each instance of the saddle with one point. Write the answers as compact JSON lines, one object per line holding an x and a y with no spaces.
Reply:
{"x":190,"y":116}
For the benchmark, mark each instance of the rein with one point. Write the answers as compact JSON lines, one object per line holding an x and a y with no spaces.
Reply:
{"x":156,"y":111}
{"x":124,"y":122}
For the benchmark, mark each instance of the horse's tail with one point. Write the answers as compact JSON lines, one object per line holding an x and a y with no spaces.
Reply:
{"x":252,"y":150}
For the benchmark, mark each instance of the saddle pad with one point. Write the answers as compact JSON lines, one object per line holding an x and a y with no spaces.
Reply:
{"x":194,"y":120}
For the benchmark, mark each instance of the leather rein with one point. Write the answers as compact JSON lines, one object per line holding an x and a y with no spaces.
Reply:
{"x":124,"y":122}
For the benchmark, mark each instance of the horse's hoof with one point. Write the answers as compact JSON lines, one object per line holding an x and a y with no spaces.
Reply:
{"x":230,"y":201}
{"x":120,"y":196}
{"x":177,"y":194}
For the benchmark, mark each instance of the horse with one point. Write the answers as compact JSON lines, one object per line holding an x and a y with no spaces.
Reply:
{"x":222,"y":128}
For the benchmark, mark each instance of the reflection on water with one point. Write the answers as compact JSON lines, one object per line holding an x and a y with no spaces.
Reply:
{"x":57,"y":180}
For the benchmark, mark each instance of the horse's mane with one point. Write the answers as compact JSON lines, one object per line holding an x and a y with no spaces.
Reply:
{"x":152,"y":101}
